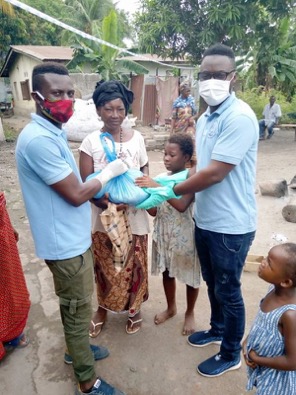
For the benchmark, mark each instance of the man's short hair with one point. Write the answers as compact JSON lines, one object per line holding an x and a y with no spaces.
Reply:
{"x":220,"y":49}
{"x":45,"y":68}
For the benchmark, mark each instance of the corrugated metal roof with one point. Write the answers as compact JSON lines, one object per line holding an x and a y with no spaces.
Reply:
{"x":41,"y":52}
{"x":149,"y":58}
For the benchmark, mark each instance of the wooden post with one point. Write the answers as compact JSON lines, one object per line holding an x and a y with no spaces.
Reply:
{"x":2,"y":137}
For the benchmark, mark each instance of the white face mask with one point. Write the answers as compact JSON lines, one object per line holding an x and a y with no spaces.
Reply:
{"x":214,"y":92}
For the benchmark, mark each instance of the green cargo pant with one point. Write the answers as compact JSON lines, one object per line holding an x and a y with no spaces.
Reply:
{"x":73,"y":281}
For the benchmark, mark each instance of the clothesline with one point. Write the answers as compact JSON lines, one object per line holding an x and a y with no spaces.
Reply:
{"x":55,"y":21}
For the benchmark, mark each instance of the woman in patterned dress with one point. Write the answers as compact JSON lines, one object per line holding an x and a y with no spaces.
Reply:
{"x":124,"y":289}
{"x":184,"y":115}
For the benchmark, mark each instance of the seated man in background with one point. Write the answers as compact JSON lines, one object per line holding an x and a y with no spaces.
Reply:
{"x":272,"y":113}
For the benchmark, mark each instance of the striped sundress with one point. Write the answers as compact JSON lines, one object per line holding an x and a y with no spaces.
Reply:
{"x":266,"y":339}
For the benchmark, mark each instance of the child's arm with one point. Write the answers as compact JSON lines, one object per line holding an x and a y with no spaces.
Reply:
{"x":288,"y":360}
{"x":185,"y":201}
{"x":146,"y":182}
{"x":248,"y":362}
{"x":152,"y":211}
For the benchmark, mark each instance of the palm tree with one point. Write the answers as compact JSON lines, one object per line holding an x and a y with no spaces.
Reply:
{"x":106,"y":61}
{"x":85,"y":15}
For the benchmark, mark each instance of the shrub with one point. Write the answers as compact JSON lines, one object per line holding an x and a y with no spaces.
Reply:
{"x":257,"y":99}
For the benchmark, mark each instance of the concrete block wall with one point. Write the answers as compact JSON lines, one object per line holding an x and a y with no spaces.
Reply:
{"x":154,"y":138}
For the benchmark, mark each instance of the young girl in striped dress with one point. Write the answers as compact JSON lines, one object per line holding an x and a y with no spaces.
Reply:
{"x":270,"y":348}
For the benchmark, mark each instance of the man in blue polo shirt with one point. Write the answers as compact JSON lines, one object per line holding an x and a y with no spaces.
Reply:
{"x":57,"y":205}
{"x":225,"y":207}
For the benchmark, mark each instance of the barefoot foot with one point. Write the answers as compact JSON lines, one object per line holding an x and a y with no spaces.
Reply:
{"x":189,"y":324}
{"x":165,"y":315}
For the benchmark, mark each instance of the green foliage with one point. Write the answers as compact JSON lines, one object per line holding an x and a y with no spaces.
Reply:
{"x":53,"y":8}
{"x":20,"y":32}
{"x":85,"y":15}
{"x":262,"y":32}
{"x":257,"y":98}
{"x":6,"y":8}
{"x":103,"y":59}
{"x":175,"y":28}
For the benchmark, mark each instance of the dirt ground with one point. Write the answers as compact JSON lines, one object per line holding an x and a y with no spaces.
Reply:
{"x":157,"y":360}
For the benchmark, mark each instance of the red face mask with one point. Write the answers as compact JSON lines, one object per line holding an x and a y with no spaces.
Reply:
{"x":59,"y":111}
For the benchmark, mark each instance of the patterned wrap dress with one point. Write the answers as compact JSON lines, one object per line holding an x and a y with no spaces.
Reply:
{"x":14,"y":295}
{"x":173,"y":246}
{"x":266,"y":339}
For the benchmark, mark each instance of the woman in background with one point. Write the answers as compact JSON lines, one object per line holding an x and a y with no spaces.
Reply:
{"x":184,"y":111}
{"x":184,"y":115}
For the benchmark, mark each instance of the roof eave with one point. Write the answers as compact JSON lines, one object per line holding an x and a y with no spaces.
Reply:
{"x":13,"y":51}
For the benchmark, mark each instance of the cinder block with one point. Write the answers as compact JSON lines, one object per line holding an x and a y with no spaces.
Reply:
{"x":252,"y":263}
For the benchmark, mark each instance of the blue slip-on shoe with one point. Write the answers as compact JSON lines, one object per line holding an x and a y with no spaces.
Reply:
{"x":100,"y":387}
{"x":203,"y":338}
{"x":216,"y":366}
{"x":99,"y":352}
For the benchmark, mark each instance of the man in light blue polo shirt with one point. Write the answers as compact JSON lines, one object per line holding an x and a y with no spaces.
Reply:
{"x":225,"y":207}
{"x":57,"y":205}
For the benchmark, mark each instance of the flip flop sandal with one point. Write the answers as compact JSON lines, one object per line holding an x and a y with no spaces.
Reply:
{"x":129,"y":328}
{"x":96,"y":329}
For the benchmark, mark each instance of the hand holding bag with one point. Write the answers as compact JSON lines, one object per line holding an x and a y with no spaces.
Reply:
{"x":121,"y":189}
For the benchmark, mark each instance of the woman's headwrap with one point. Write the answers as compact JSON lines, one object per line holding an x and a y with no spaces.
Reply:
{"x":111,"y":90}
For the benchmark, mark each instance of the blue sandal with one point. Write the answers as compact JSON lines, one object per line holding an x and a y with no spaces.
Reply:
{"x":20,"y":341}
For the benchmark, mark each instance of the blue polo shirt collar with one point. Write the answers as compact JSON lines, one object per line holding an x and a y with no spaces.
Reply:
{"x":47,"y":124}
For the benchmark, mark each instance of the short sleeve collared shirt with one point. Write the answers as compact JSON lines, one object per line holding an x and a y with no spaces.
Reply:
{"x":271,"y":114}
{"x":230,"y":135}
{"x":60,"y":230}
